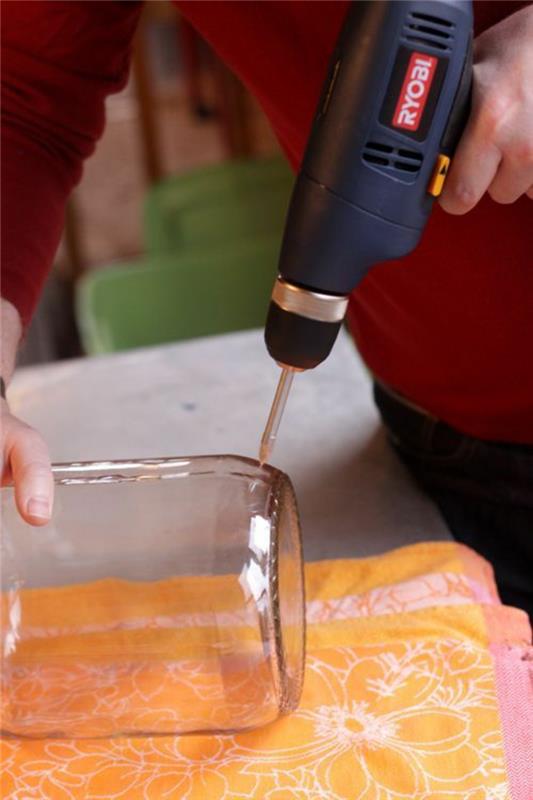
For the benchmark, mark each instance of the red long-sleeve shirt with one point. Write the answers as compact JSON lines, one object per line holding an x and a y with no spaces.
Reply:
{"x":451,"y":327}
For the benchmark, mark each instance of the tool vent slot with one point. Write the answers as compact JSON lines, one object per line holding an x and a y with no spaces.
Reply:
{"x":434,"y":20}
{"x":426,"y":29}
{"x":408,"y":160}
{"x":392,"y":158}
{"x":378,"y":153}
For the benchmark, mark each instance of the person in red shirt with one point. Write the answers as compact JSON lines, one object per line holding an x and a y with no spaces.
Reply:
{"x":447,"y":333}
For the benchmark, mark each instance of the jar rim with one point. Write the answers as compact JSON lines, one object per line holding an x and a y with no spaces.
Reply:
{"x":167,"y":467}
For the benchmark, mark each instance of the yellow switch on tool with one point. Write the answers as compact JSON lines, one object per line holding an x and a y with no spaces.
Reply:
{"x":436,"y":183}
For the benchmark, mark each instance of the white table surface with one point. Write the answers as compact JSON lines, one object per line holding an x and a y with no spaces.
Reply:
{"x":212,"y":396}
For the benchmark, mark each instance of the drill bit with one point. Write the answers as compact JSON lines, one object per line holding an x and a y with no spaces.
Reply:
{"x":276,"y":412}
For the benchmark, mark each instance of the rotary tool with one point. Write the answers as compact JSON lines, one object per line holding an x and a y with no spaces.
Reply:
{"x":393,"y":107}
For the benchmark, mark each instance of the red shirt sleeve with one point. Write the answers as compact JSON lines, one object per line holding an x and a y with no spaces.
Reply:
{"x":60,"y":61}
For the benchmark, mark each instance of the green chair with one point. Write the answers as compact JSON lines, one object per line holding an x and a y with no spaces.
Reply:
{"x":216,"y":204}
{"x":176,"y":297}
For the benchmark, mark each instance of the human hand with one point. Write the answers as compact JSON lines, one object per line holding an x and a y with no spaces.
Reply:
{"x":26,"y":464}
{"x":24,"y":456}
{"x":495,"y":153}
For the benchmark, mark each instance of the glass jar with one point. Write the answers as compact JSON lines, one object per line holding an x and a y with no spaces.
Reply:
{"x":165,"y":597}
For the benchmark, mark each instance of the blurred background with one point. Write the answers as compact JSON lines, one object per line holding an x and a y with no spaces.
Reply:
{"x":175,"y":227}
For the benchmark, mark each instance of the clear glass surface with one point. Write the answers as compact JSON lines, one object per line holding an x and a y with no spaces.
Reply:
{"x":165,"y":597}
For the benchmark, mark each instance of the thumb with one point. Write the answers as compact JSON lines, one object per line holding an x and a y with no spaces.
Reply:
{"x":26,"y":459}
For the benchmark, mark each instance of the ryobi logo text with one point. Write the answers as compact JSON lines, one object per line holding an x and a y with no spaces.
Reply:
{"x":415,"y":90}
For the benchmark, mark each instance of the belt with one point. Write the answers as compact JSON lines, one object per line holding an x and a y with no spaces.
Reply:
{"x":411,"y":426}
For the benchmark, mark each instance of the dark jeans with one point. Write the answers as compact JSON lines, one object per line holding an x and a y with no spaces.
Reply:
{"x":484,"y":490}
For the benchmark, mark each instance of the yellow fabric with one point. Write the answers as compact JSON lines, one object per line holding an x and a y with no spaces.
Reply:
{"x":399,"y":697}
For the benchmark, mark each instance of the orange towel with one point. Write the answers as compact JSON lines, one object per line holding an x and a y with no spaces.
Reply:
{"x":417,"y":685}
